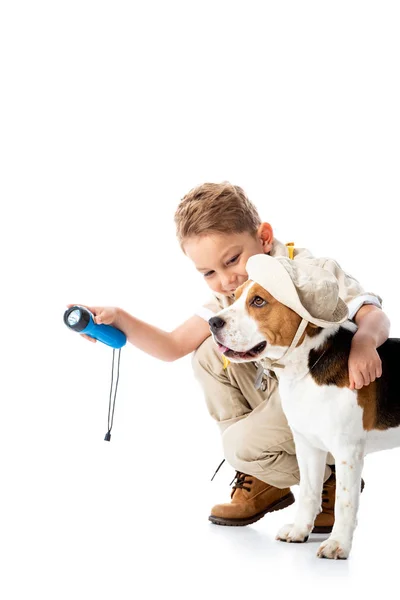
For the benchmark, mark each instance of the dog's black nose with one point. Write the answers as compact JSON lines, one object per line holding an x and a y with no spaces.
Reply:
{"x":216,"y":323}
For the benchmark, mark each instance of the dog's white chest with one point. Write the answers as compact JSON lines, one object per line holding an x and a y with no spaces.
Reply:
{"x":319,"y":412}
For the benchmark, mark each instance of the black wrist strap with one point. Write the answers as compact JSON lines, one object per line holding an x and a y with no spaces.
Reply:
{"x":111,"y":420}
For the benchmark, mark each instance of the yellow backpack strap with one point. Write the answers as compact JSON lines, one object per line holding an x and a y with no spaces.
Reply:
{"x":225,"y":362}
{"x":290,"y":247}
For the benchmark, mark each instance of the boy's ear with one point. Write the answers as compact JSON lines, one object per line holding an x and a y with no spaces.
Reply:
{"x":266,"y":236}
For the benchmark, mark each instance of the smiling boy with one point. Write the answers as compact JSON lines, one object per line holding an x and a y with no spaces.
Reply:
{"x":218,"y":228}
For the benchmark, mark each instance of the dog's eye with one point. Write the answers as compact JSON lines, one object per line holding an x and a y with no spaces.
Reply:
{"x":258,"y":301}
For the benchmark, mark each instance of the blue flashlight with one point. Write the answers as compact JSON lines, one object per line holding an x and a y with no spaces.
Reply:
{"x":80,"y":319}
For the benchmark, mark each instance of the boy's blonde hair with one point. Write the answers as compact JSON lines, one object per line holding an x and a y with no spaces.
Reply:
{"x":215,"y":208}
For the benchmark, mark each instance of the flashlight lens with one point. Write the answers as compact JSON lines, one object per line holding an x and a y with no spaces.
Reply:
{"x":73,"y":317}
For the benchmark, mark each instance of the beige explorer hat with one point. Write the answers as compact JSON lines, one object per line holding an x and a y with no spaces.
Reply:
{"x":312,"y":292}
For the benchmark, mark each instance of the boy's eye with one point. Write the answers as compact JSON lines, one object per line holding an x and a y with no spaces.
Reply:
{"x":258,"y":301}
{"x":232,"y":260}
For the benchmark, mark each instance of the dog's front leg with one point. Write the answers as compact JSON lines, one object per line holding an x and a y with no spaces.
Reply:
{"x":349,"y":460}
{"x":312,"y":463}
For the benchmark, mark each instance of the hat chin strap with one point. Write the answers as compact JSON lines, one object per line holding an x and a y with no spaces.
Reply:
{"x":273,"y":363}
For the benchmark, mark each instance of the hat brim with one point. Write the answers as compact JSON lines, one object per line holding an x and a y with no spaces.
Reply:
{"x":274,"y":278}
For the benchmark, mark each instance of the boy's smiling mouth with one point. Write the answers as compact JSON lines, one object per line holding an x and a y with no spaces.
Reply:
{"x":249,"y":354}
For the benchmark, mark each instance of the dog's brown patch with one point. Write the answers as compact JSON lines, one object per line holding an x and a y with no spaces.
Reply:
{"x":366,"y":398}
{"x":239,"y":290}
{"x":276,"y":322}
{"x":313,"y":330}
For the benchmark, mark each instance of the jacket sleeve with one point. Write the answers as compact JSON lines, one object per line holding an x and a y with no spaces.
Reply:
{"x":350,"y":290}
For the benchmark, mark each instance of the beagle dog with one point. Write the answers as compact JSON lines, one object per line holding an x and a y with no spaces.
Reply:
{"x":323,"y":413}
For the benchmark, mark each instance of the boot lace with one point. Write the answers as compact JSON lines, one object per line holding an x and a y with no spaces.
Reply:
{"x":325,"y":495}
{"x":239,"y":481}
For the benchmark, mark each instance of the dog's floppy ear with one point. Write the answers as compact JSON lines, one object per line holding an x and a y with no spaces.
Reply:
{"x":313,"y":325}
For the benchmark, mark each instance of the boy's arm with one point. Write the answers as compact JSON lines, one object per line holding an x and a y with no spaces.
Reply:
{"x":165,"y":345}
{"x":364,"y":362}
{"x":373,"y":325}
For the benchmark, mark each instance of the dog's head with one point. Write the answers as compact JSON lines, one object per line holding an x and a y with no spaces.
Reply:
{"x":255,"y":326}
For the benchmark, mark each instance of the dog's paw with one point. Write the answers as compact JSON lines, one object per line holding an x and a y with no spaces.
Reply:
{"x":332,"y":548}
{"x":292,"y":533}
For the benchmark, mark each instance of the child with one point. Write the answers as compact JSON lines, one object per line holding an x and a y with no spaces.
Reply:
{"x":218,"y":228}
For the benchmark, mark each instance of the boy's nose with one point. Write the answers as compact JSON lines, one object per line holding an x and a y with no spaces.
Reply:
{"x":229,"y":284}
{"x":216,"y":323}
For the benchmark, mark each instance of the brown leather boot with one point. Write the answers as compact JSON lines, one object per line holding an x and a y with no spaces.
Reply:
{"x":326,"y":519}
{"x":251,"y":499}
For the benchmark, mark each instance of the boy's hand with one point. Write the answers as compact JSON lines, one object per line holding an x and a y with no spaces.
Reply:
{"x":103,"y":315}
{"x":365,"y":364}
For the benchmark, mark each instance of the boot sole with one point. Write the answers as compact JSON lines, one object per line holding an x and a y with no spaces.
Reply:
{"x":278,"y":505}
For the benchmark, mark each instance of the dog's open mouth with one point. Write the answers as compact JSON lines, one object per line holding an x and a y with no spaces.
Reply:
{"x":249,"y":354}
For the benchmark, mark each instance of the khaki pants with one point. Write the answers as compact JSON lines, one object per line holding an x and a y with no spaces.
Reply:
{"x":255,"y":434}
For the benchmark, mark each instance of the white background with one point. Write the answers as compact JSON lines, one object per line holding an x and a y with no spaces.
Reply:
{"x":110,"y":113}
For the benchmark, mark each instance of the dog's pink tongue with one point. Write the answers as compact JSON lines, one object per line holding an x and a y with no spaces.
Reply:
{"x":222,"y":349}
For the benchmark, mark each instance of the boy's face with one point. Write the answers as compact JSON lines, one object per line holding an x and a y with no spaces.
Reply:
{"x":222,"y":258}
